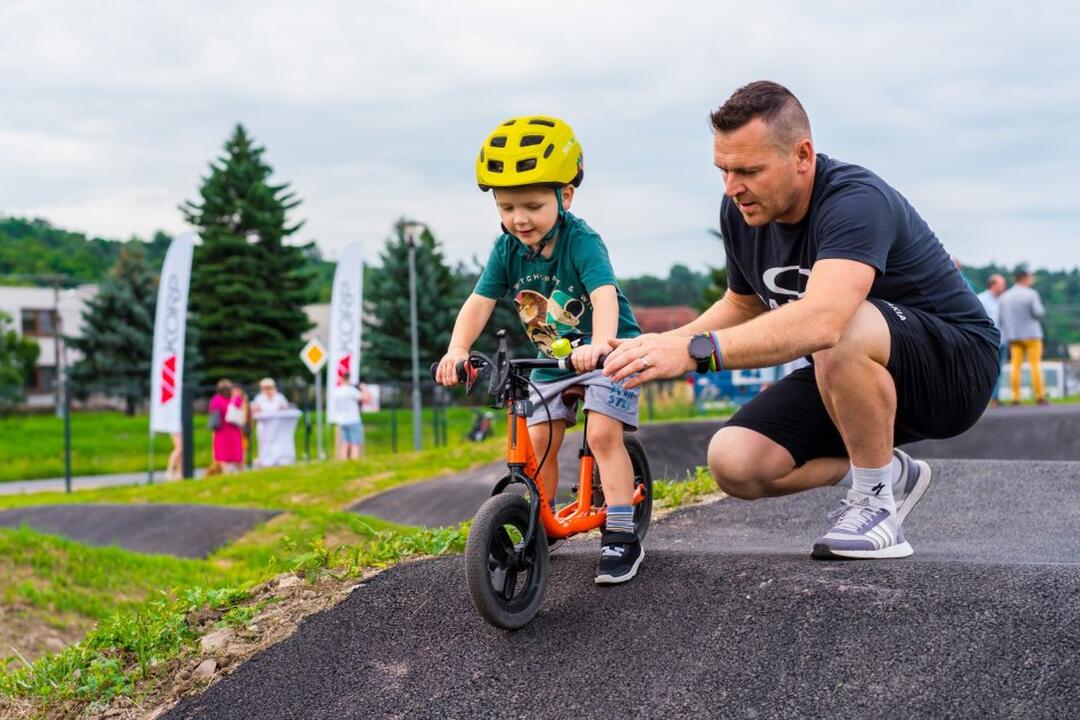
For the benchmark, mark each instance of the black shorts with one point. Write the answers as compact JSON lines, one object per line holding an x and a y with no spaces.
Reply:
{"x":944,"y":379}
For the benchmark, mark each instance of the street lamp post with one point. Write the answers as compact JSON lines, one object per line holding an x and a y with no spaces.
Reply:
{"x":411,"y":230}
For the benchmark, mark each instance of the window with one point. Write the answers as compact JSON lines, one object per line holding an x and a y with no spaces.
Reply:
{"x":43,"y":380}
{"x":36,"y":322}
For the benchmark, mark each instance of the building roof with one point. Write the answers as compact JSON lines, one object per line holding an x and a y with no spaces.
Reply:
{"x":662,"y":319}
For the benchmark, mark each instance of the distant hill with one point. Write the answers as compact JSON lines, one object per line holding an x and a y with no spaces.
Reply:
{"x":34,"y":247}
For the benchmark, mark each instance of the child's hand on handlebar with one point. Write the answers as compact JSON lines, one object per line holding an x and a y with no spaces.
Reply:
{"x":447,"y":372}
{"x":586,"y":357}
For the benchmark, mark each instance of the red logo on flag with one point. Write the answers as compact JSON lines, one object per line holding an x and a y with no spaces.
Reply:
{"x":343,"y":369}
{"x":168,"y":379}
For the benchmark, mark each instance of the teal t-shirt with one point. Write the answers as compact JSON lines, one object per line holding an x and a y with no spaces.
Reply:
{"x":552,"y":295}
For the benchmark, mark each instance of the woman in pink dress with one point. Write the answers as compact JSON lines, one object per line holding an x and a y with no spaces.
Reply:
{"x":228,"y":438}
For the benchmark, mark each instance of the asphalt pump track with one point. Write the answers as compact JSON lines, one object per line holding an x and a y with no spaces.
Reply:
{"x":191,"y":531}
{"x":728,"y":617}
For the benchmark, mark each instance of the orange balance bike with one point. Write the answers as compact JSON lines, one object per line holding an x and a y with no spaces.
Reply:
{"x":506,"y":556}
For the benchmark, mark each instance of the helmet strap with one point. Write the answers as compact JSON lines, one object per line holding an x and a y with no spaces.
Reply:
{"x":550,"y":234}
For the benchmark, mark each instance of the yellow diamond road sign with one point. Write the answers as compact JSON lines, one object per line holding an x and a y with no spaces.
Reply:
{"x":314,"y":356}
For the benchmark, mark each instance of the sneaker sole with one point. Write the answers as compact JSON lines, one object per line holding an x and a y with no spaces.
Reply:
{"x":913,"y":498}
{"x":615,"y":580}
{"x":900,"y":550}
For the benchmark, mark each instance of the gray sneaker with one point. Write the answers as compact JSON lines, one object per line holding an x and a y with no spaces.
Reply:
{"x":914,"y":480}
{"x":864,"y":529}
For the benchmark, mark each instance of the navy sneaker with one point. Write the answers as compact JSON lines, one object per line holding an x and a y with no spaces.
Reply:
{"x":620,"y":555}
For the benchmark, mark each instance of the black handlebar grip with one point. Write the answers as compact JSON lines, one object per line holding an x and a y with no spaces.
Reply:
{"x":459,"y":371}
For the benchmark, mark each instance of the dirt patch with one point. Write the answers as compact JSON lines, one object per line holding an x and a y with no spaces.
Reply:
{"x":28,"y":633}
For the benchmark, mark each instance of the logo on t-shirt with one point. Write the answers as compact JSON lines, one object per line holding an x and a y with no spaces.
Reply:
{"x":776,"y":278}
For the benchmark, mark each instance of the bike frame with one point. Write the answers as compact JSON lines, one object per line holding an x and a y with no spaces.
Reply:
{"x":510,"y":384}
{"x":521,"y":460}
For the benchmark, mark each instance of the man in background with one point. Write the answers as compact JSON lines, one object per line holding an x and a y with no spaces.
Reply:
{"x":1021,"y":311}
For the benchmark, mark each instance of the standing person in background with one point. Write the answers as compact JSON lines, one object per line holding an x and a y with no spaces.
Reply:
{"x":228,"y":436}
{"x":347,"y":400}
{"x":268,"y":399}
{"x":1021,"y":311}
{"x":989,"y":299}
{"x":241,"y":419}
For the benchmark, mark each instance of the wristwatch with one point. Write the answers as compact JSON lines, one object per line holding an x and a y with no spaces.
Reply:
{"x":701,"y":351}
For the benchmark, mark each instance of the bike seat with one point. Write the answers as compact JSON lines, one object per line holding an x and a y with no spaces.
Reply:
{"x":572,"y":395}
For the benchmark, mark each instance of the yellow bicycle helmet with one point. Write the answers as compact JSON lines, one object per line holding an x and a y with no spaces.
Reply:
{"x":530,"y":150}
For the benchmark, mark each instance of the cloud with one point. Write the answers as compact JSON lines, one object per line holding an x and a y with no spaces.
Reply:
{"x":374,"y":110}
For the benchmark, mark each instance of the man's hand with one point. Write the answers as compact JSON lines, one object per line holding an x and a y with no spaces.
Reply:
{"x":651,"y":357}
{"x":585,"y":357}
{"x":447,"y":372}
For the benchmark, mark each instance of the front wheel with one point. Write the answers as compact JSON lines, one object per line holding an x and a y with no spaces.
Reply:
{"x":506,"y":580}
{"x":639,"y":462}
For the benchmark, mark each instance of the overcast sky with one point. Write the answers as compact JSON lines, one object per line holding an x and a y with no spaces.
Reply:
{"x":111,"y":112}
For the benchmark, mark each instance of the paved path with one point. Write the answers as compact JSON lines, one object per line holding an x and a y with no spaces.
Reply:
{"x":729,"y":618}
{"x":83,"y":482}
{"x":192,"y":531}
{"x":674,"y":449}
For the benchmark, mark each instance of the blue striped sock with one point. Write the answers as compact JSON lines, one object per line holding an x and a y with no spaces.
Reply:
{"x":620,"y":518}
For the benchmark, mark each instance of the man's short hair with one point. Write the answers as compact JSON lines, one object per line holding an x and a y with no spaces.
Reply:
{"x":773,"y":103}
{"x":1021,"y":275}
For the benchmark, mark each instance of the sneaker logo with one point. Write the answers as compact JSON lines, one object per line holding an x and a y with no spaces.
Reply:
{"x":878,"y":488}
{"x":616,"y":550}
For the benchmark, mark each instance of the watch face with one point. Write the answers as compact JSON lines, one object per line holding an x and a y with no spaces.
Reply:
{"x":701,"y":347}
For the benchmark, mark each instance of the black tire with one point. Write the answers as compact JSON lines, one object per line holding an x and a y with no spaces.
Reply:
{"x":506,"y":597}
{"x":642,"y":477}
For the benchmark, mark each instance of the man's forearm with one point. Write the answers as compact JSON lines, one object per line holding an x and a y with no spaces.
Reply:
{"x":791,"y":331}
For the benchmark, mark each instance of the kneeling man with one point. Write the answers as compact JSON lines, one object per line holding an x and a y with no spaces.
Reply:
{"x":826,"y":260}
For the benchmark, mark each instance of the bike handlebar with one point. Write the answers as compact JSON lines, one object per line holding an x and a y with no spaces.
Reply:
{"x":532,"y":363}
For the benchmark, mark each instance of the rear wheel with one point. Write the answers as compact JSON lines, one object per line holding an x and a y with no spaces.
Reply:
{"x":506,"y":580}
{"x":642,"y":479}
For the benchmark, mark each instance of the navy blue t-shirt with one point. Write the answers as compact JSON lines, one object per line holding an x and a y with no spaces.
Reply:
{"x":853,"y":215}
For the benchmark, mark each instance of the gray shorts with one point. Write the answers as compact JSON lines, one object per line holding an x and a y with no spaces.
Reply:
{"x":601,"y":396}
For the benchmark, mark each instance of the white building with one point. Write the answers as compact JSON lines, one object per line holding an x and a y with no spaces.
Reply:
{"x":43,"y":314}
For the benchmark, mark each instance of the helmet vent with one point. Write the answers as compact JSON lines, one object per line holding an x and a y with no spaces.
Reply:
{"x":509,"y":122}
{"x":548,"y":150}
{"x":531,"y":140}
{"x":526,"y":164}
{"x":495,"y":166}
{"x":540,"y":121}
{"x":498,"y":141}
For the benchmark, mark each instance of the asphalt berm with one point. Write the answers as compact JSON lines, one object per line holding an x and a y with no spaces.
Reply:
{"x":675,"y":449}
{"x":192,"y":531}
{"x":728,"y":618}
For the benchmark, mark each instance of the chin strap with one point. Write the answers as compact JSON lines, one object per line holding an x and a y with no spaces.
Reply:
{"x":534,"y":253}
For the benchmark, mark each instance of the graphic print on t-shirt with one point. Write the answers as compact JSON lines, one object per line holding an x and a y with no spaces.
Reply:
{"x":789,"y":281}
{"x":548,"y":319}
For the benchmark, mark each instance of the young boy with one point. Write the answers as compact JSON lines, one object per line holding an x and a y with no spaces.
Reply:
{"x":556,"y":269}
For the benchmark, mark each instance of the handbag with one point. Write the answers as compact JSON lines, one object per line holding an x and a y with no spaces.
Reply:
{"x":234,"y":415}
{"x":214,"y":419}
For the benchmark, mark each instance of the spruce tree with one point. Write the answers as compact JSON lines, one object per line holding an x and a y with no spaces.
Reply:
{"x":248,"y":287}
{"x":387,"y":350}
{"x":118,"y":331}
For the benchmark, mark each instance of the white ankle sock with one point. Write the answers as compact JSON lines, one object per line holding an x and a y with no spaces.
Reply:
{"x":897,"y":471}
{"x":874,"y":482}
